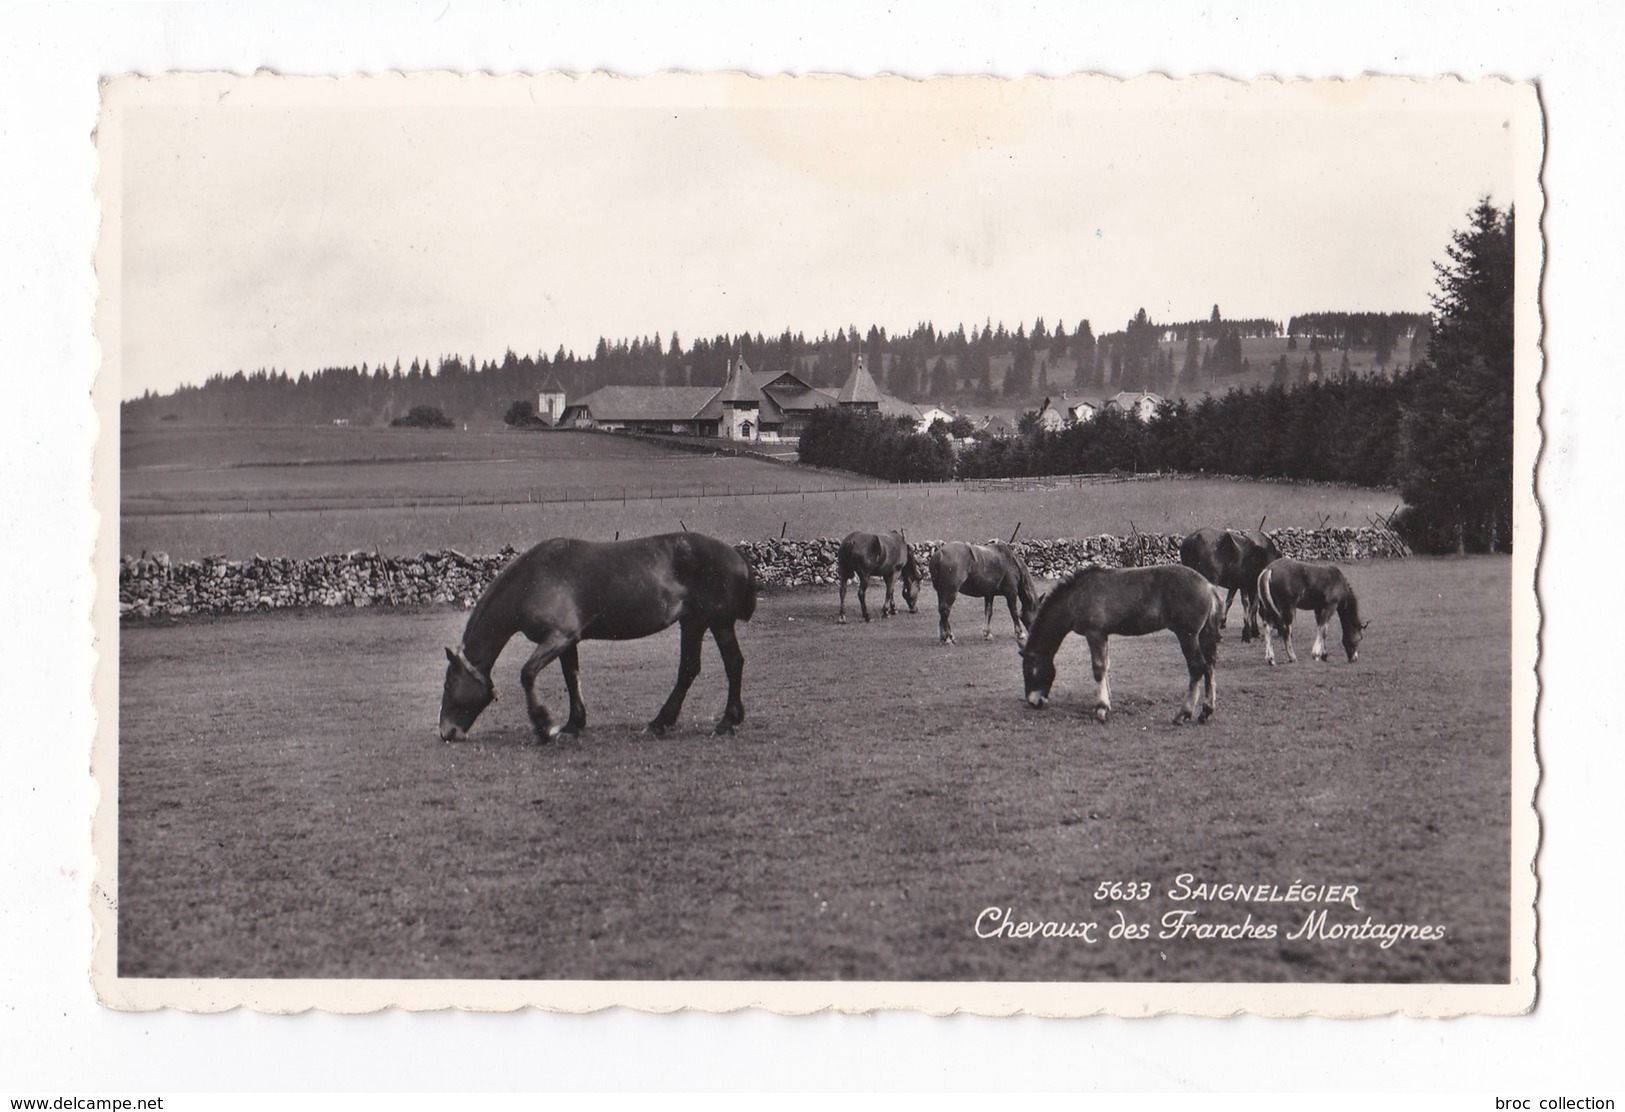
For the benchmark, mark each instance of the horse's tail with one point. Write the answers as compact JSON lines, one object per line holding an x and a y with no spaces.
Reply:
{"x":1211,"y":631}
{"x":747,"y":605}
{"x":1266,"y":604}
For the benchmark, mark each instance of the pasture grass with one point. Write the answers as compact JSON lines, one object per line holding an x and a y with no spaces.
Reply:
{"x":286,"y":810}
{"x":308,"y":492}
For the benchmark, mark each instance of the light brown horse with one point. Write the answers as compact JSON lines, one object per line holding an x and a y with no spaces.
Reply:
{"x":566,"y":591}
{"x":1287,"y":586}
{"x":886,"y":555}
{"x":984,"y":571}
{"x":1098,"y":602}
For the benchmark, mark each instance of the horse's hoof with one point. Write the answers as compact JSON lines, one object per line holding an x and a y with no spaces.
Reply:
{"x":1100,"y":715}
{"x":841,"y":620}
{"x":1201,"y":719}
{"x":1182,"y":717}
{"x":656,"y":728}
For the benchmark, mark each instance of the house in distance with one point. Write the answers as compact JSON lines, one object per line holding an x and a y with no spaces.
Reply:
{"x":742,"y":409}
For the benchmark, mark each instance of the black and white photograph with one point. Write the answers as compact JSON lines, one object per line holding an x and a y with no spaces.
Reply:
{"x":1061,"y":546}
{"x":252,"y":848}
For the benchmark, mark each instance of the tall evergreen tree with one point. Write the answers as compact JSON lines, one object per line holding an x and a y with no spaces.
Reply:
{"x":1455,"y":465}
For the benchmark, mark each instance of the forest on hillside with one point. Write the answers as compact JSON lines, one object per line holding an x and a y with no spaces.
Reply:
{"x":986,"y":365}
{"x":1440,"y":430}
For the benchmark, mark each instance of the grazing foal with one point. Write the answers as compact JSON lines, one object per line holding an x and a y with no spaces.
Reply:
{"x":1098,"y":602}
{"x":1288,"y":585}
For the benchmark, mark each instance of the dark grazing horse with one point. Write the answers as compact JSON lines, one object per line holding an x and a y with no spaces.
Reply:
{"x":1287,"y":586}
{"x":1232,"y":559}
{"x":564,"y":591}
{"x":1098,"y":602}
{"x":985,"y":571}
{"x":886,"y":555}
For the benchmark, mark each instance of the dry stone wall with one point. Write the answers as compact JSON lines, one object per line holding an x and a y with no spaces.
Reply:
{"x":152,"y":585}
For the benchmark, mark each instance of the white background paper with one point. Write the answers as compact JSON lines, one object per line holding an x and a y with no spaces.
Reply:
{"x":53,"y":1037}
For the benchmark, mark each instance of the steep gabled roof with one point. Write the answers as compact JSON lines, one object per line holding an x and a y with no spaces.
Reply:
{"x":740,"y":389}
{"x":897,"y":407}
{"x":552,"y":386}
{"x":860,"y":388}
{"x":1128,"y":399}
{"x":793,"y":395}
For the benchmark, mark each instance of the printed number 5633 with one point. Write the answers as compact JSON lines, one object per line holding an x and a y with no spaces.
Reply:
{"x":1123,"y":890}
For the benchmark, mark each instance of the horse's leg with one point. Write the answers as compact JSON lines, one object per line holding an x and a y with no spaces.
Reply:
{"x":1208,"y":639}
{"x":1015,"y":618}
{"x":546,"y":652}
{"x":733,"y":662}
{"x":1102,"y":669}
{"x":945,"y":603}
{"x":1266,"y":628}
{"x":570,"y":665}
{"x":890,"y":605}
{"x":863,"y":593}
{"x":1286,"y":636}
{"x":1196,"y":665}
{"x":1323,"y":622}
{"x":842,"y":618}
{"x":1249,"y":614}
{"x":1224,"y":619}
{"x":987,"y":618}
{"x":688,"y":666}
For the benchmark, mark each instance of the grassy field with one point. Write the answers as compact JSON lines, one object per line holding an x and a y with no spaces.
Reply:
{"x":305,"y":492}
{"x":285,"y":809}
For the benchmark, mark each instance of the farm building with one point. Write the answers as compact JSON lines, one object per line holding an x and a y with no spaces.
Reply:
{"x":1052,"y":417}
{"x":860,"y":391}
{"x":791,"y":402}
{"x":931,"y":414}
{"x":1082,"y":411}
{"x":1142,"y":404}
{"x":669,"y":409}
{"x":742,"y":409}
{"x":996,"y":426}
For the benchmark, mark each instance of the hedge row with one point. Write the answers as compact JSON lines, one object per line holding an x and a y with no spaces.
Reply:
{"x":153,"y":585}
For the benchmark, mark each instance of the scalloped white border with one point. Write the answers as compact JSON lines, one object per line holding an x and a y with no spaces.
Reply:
{"x":1521,"y":103}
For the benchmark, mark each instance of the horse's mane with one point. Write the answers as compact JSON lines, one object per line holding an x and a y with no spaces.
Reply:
{"x":494,"y":589}
{"x":1349,"y":608}
{"x":1077,"y":574}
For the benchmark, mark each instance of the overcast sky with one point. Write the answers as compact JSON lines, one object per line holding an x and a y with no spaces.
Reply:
{"x":302,"y":224}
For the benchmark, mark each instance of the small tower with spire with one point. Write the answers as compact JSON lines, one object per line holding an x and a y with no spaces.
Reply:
{"x":860,"y":390}
{"x":741,"y":404}
{"x":550,"y":402}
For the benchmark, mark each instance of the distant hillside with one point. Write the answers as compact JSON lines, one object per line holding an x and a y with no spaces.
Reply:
{"x":986,"y":368}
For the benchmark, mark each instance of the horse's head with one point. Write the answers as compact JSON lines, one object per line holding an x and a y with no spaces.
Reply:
{"x":1037,"y":676}
{"x":912,"y":575}
{"x":1352,"y":634}
{"x":1353,"y":628}
{"x":1027,"y":593}
{"x":468,"y":691}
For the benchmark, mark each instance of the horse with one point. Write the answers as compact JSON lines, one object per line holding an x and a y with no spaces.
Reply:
{"x":1232,"y":559}
{"x":886,"y":555}
{"x":564,"y":591}
{"x":1098,"y":602}
{"x":1291,"y":585}
{"x":985,"y":571}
